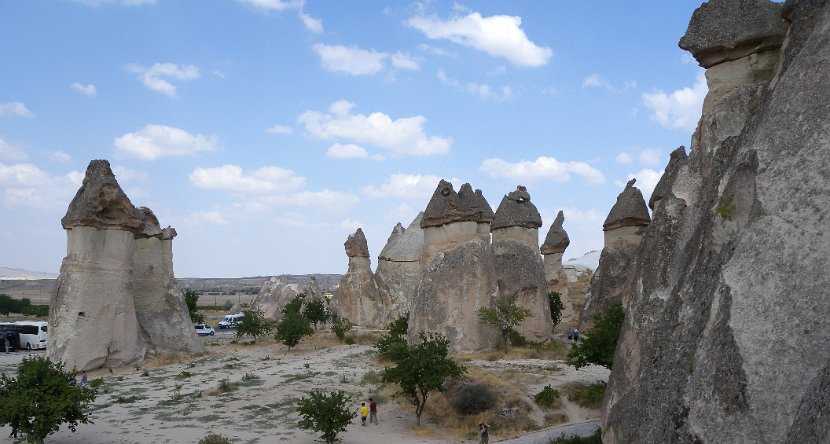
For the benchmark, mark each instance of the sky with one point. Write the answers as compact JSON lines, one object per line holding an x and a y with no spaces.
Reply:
{"x":266,"y":131}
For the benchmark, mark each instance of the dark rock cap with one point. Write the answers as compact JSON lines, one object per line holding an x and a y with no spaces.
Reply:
{"x":723,"y":30}
{"x":447,"y":206}
{"x":101,"y":203}
{"x":516,"y":210}
{"x":630,"y":209}
{"x":676,"y":160}
{"x":356,"y":245}
{"x":557,"y":239}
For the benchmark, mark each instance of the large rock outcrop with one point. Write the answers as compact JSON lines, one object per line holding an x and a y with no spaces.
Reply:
{"x":399,"y":268}
{"x":624,"y":228}
{"x":116,"y":300}
{"x":552,"y":249}
{"x":458,"y":272}
{"x":275,"y":295}
{"x":357,"y":297}
{"x":726,"y":331}
{"x":519,"y":267}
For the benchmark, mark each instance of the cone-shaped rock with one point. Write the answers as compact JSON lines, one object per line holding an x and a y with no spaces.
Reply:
{"x":552,"y":250}
{"x":447,"y":206}
{"x":399,"y":269}
{"x":630,"y":209}
{"x":357,"y":297}
{"x":557,"y":239}
{"x":356,"y":245}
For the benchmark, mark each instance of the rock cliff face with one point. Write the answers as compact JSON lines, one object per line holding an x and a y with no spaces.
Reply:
{"x":624,"y":228}
{"x":519,"y":267}
{"x":116,"y":300}
{"x":274,"y":296}
{"x":399,"y":268}
{"x":552,"y":249}
{"x":726,"y":331}
{"x":458,"y":272}
{"x":357,"y":297}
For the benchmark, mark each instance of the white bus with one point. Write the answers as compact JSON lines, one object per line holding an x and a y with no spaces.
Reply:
{"x":32,"y":333}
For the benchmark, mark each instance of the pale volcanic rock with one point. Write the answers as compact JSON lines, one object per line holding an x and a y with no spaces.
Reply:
{"x":356,"y":245}
{"x":274,"y":296}
{"x":116,"y":300}
{"x":357,"y":298}
{"x":399,"y":268}
{"x":724,"y":30}
{"x":726,"y":330}
{"x":519,"y":267}
{"x":552,"y":250}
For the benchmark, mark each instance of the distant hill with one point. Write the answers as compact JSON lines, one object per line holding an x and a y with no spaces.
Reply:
{"x":15,"y":274}
{"x":589,"y":260}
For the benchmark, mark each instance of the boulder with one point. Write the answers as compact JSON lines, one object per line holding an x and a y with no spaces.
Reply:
{"x":116,"y":300}
{"x":726,"y":330}
{"x":274,"y":296}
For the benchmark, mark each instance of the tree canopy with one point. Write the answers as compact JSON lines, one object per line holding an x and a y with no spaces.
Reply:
{"x":600,"y":342}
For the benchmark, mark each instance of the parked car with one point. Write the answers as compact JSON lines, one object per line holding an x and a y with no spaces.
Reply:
{"x":204,"y":330}
{"x":230,"y":321}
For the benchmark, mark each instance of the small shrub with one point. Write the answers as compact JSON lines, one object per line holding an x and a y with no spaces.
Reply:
{"x":589,"y":396}
{"x":595,"y":438}
{"x":473,"y":398}
{"x":370,"y":377}
{"x":95,"y":383}
{"x":328,"y":414}
{"x":340,"y":327}
{"x":547,"y":397}
{"x":226,"y":386}
{"x":726,"y":208}
{"x":556,"y":307}
{"x":226,"y":307}
{"x":250,"y":377}
{"x":350,"y":340}
{"x":184,"y":374}
{"x":126,"y":399}
{"x":214,"y":438}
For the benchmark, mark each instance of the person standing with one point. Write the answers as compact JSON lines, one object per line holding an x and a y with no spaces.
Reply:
{"x":364,"y":412}
{"x":7,"y":344}
{"x":373,"y":411}
{"x":83,"y":377}
{"x":576,"y":335}
{"x":485,"y":433}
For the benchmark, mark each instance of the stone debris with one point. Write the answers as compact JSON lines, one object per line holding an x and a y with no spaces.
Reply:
{"x":116,"y":300}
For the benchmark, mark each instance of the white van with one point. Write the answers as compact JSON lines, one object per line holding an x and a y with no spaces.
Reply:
{"x":32,"y":334}
{"x":230,"y":321}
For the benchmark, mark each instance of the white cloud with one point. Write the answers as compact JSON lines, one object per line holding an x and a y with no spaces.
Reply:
{"x":433,"y":50}
{"x":652,"y":157}
{"x":350,"y":59}
{"x":543,"y":168}
{"x":127,"y":175}
{"x":404,"y":186}
{"x":312,"y":24}
{"x":596,"y":81}
{"x":87,"y":90}
{"x":280,"y":129}
{"x":482,"y":90}
{"x":15,"y":109}
{"x":26,"y":185}
{"x":327,"y":200}
{"x":496,"y":72}
{"x":269,"y":179}
{"x":624,"y":158}
{"x":11,"y":152}
{"x":213,"y":217}
{"x":646,"y":181}
{"x":351,"y":224}
{"x":60,"y":157}
{"x":679,"y":109}
{"x":156,"y":77}
{"x":273,"y":5}
{"x":96,"y":3}
{"x":498,"y":35}
{"x":405,"y":61}
{"x":401,"y":136}
{"x":156,"y":141}
{"x":346,"y":151}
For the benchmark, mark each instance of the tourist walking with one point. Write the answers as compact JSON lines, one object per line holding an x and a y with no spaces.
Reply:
{"x":364,"y":412}
{"x":373,"y":411}
{"x":83,"y":377}
{"x":576,"y":335}
{"x":485,"y":433}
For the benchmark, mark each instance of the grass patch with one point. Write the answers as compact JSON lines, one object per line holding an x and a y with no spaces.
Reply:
{"x":225,"y":386}
{"x":588,"y":396}
{"x":370,"y":377}
{"x":595,"y":438}
{"x":184,"y":374}
{"x":126,"y":399}
{"x":301,"y":376}
{"x":548,"y":397}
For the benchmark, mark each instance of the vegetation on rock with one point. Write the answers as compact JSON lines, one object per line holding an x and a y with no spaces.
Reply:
{"x":505,"y":316}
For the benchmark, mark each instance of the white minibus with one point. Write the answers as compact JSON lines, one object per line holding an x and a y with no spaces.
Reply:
{"x":32,"y":334}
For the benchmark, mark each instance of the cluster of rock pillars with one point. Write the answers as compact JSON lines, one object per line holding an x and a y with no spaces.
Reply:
{"x":724,"y":286}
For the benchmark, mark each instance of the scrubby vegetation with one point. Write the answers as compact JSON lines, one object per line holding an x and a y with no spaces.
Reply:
{"x":253,"y":324}
{"x":327,"y":414}
{"x":340,"y":327}
{"x":191,"y":298}
{"x":473,"y":398}
{"x":504,"y":316}
{"x":23,"y":306}
{"x":547,"y":397}
{"x":600,"y":342}
{"x":595,"y":438}
{"x":588,"y":396}
{"x":556,"y":307}
{"x":392,"y":343}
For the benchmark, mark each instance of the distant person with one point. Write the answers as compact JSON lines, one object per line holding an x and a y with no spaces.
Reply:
{"x":570,"y":334}
{"x":7,"y":344}
{"x":485,"y":433}
{"x":83,"y":377}
{"x":576,"y":335}
{"x":373,"y":411}
{"x":364,"y":412}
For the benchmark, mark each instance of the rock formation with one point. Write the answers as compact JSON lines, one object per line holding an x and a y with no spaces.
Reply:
{"x":552,"y":250}
{"x":624,"y":228}
{"x":399,"y":268}
{"x":357,"y":297}
{"x":726,"y":330}
{"x":116,"y":300}
{"x":274,"y":296}
{"x":519,"y":267}
{"x":458,"y":273}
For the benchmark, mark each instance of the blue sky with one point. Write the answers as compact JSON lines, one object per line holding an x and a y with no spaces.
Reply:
{"x":266,"y":131}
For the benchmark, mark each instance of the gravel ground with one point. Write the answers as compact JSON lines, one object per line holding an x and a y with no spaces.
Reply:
{"x":544,"y":436}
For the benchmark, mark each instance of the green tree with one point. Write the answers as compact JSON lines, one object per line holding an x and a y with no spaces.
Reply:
{"x":292,"y":328}
{"x":327,"y":414}
{"x":600,"y":342}
{"x":315,"y":311}
{"x":41,"y":398}
{"x":340,"y":327}
{"x":394,"y":343}
{"x":191,"y":298}
{"x":7,"y":304}
{"x":556,"y":307}
{"x":421,"y":369}
{"x":253,"y":324}
{"x":505,"y":315}
{"x":295,"y":305}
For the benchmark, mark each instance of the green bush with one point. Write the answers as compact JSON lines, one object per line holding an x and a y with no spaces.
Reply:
{"x":595,"y":438}
{"x":253,"y":324}
{"x":399,"y":326}
{"x":589,"y":396}
{"x":295,"y":305}
{"x":556,"y":307}
{"x":23,"y":306}
{"x":547,"y":397}
{"x":191,"y":298}
{"x":316,"y":312}
{"x":340,"y":327}
{"x":292,"y":328}
{"x":600,"y":342}
{"x":393,"y":343}
{"x":504,"y":316}
{"x":350,"y":340}
{"x":214,"y":438}
{"x":473,"y":398}
{"x":327,"y":414}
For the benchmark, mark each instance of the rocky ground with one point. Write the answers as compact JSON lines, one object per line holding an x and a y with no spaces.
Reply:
{"x":181,"y":402}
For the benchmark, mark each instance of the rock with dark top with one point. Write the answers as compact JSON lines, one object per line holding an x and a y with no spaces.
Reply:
{"x":552,"y":250}
{"x":357,"y":297}
{"x":630,"y":209}
{"x":447,"y":206}
{"x":724,"y":30}
{"x":557,"y":239}
{"x":116,"y":300}
{"x":663,"y":188}
{"x":516,"y":210}
{"x":726,"y":328}
{"x":356,"y":245}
